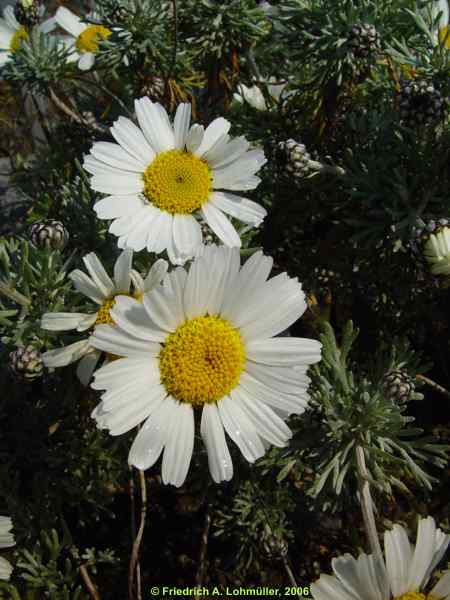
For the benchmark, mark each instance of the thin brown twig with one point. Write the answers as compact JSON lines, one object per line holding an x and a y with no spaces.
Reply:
{"x":88,"y":582}
{"x":203,"y":548}
{"x":434,"y":385}
{"x":137,"y":542}
{"x":70,"y":113}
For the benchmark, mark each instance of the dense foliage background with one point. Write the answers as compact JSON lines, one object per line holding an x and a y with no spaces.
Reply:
{"x":357,"y":179}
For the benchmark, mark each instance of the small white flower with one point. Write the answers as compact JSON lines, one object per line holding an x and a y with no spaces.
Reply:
{"x":203,"y":341}
{"x":100,"y":288}
{"x":84,"y":38}
{"x":12,"y":33}
{"x":437,"y":251}
{"x":6,"y":541}
{"x":254,"y":96}
{"x":407,"y":570}
{"x":160,"y":177}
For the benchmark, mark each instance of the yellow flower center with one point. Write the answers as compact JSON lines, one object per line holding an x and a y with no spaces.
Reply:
{"x":202,"y":360}
{"x":415,"y":596}
{"x":444,"y":36}
{"x":177,"y":182}
{"x":103,"y":316}
{"x":88,"y":39}
{"x":16,"y":41}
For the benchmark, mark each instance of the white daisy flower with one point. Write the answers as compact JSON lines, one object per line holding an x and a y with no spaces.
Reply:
{"x":6,"y":541}
{"x":204,"y":340}
{"x":12,"y":33}
{"x":100,"y":288}
{"x":160,"y":176}
{"x":437,"y":251}
{"x":408,"y":569}
{"x":83,"y":38}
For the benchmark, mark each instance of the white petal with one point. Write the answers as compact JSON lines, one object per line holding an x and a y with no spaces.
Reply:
{"x":121,"y":182}
{"x":68,"y":21}
{"x":284,"y":351}
{"x":268,"y":425}
{"x":111,"y":339}
{"x":86,"y":61}
{"x":132,"y":140}
{"x":115,"y":156}
{"x":219,"y":459}
{"x":196,"y":289}
{"x":194,"y":137}
{"x":48,"y":25}
{"x":155,"y":126}
{"x":123,"y":226}
{"x":98,"y":168}
{"x":175,"y":283}
{"x":138,"y":235}
{"x":230,"y":153}
{"x":218,"y":149}
{"x":223,"y":268}
{"x":122,"y":272}
{"x":239,"y":208}
{"x":330,"y":588}
{"x":179,"y":445}
{"x":118,"y":206}
{"x":247,"y":286}
{"x":283,"y":379}
{"x":134,"y":410}
{"x":98,"y":274}
{"x":61,"y":321}
{"x":227,"y":153}
{"x":441,"y":543}
{"x":6,"y":537}
{"x":131,"y":316}
{"x":423,"y":553}
{"x":161,"y":310}
{"x":288,"y":403}
{"x":156,"y":274}
{"x":243,"y":168}
{"x":84,"y":284}
{"x":243,"y":185}
{"x":6,"y":35}
{"x":159,"y":238}
{"x":11,"y":21}
{"x":398,"y":554}
{"x":217,"y":128}
{"x":187,"y":234}
{"x":220,"y":225}
{"x":240,"y":429}
{"x":152,"y":437}
{"x":280,"y":304}
{"x":62,"y":357}
{"x":357,"y":576}
{"x":5,"y":569}
{"x":181,"y":125}
{"x":117,"y":376}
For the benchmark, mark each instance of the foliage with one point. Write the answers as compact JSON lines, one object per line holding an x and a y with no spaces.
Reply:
{"x":349,"y":232}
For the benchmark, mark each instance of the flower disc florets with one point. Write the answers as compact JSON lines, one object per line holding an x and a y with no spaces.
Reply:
{"x":177,"y":182}
{"x":202,"y":360}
